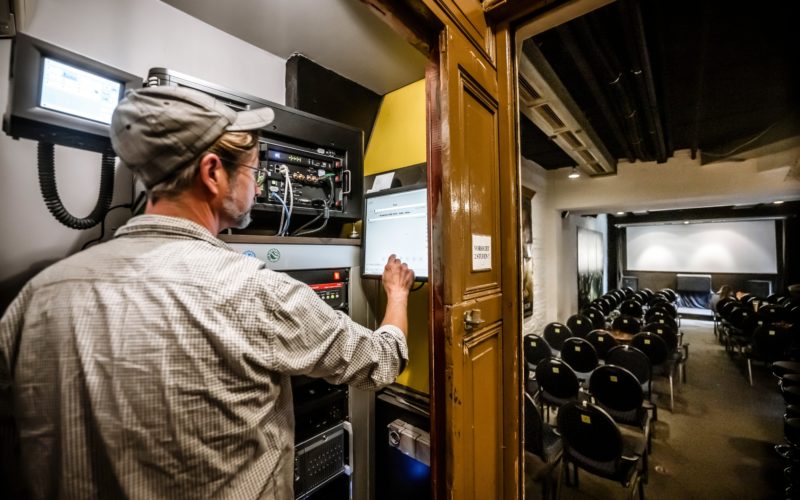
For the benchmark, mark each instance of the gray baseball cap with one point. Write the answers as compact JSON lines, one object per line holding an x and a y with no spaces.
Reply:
{"x":157,"y":130}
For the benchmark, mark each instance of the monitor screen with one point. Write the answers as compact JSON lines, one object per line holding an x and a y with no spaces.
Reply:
{"x":68,"y":89}
{"x":396,"y":222}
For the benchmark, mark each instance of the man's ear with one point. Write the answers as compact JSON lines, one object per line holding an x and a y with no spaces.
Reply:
{"x":212,"y":173}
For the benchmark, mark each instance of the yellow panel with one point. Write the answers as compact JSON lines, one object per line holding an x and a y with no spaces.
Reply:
{"x":398,"y":137}
{"x":417,"y":372}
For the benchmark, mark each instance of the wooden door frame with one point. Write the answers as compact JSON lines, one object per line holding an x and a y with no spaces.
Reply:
{"x":422,"y":23}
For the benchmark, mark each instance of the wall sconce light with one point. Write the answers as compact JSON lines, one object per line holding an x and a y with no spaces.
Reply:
{"x":574,"y":173}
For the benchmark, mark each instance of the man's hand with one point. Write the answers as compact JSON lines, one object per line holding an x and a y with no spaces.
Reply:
{"x":397,"y":281}
{"x":397,"y":277}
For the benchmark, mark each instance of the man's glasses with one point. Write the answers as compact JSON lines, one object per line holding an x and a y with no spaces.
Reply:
{"x":259,"y":173}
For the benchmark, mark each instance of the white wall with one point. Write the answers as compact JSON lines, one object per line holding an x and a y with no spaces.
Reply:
{"x":681,"y":183}
{"x":555,"y":245}
{"x":132,"y":35}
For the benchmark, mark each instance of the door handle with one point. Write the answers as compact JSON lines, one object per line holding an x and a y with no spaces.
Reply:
{"x":472,"y":319}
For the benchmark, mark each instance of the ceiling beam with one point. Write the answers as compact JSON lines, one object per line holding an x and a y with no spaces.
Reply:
{"x":615,"y":82}
{"x":567,"y":38}
{"x":643,"y":73}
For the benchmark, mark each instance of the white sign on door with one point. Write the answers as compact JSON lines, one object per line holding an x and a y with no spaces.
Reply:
{"x":481,"y":252}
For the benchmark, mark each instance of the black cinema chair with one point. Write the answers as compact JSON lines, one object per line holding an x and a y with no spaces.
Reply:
{"x":558,"y":384}
{"x":544,"y":444}
{"x":594,"y":443}
{"x":579,"y":325}
{"x":662,"y":362}
{"x":580,"y":355}
{"x":555,"y":334}
{"x":602,"y":341}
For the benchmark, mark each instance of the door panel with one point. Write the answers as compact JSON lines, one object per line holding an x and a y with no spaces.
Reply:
{"x":473,"y":350}
{"x":482,"y":377}
{"x":472,"y":171}
{"x":468,"y":15}
{"x":479,"y":164}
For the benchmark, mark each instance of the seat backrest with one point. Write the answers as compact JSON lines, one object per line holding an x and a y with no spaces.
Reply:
{"x":669,"y":293}
{"x":602,"y":341}
{"x":631,"y":308}
{"x":743,"y":318}
{"x":667,"y":308}
{"x":556,"y":333}
{"x":772,"y":313}
{"x":725,"y":308}
{"x":632,"y":359}
{"x":589,"y":433}
{"x":579,"y":354}
{"x":535,"y":349}
{"x":666,"y":332}
{"x":771,"y":342}
{"x":596,"y":316}
{"x":534,"y":428}
{"x":605,"y":304}
{"x":616,"y":388}
{"x":658,"y":298}
{"x":652,"y":346}
{"x":640,"y":297}
{"x":664,"y":320}
{"x":579,"y":325}
{"x":721,"y":302}
{"x":556,"y":378}
{"x":627,"y":324}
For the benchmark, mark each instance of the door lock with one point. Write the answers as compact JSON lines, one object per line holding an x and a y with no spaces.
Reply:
{"x":472,"y":319}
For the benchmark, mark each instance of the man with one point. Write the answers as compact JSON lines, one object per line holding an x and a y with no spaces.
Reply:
{"x":157,"y":364}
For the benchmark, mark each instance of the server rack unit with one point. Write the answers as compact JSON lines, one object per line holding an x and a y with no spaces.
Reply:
{"x":321,"y":159}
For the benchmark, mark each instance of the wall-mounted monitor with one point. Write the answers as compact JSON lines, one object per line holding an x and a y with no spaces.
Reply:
{"x":396,"y":222}
{"x":61,"y":97}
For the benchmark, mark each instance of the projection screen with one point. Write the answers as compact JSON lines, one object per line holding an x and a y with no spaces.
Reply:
{"x":715,"y":247}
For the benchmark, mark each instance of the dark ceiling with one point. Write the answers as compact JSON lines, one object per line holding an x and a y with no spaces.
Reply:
{"x":655,"y":76}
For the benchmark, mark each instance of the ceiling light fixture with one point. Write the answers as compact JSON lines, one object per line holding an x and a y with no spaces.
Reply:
{"x":574,"y":173}
{"x":777,"y":202}
{"x":620,"y":213}
{"x":686,"y":222}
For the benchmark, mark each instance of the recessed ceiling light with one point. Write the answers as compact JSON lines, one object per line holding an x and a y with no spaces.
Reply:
{"x":620,"y":213}
{"x":777,"y":202}
{"x":574,"y":174}
{"x":686,"y":222}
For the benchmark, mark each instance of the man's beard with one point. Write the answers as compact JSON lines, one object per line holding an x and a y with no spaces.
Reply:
{"x":239,"y":219}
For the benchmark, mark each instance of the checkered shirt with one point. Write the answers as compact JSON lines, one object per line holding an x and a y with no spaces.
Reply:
{"x":157,"y":365}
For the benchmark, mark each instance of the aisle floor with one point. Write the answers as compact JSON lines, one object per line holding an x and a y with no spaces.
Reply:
{"x":718,"y":442}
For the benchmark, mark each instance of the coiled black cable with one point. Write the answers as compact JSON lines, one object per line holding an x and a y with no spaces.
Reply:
{"x":47,"y":185}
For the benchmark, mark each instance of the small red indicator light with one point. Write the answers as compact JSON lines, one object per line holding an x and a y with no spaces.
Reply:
{"x":337,"y":276}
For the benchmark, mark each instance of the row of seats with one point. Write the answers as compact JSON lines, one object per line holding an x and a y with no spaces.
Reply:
{"x":607,"y":433}
{"x":788,"y":374}
{"x":758,"y":329}
{"x":600,"y":388}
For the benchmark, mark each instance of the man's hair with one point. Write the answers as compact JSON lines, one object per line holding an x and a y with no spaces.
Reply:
{"x":231,"y":147}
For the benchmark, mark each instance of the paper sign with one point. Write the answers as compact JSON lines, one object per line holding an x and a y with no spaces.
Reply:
{"x":381,"y":182}
{"x":481,"y":252}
